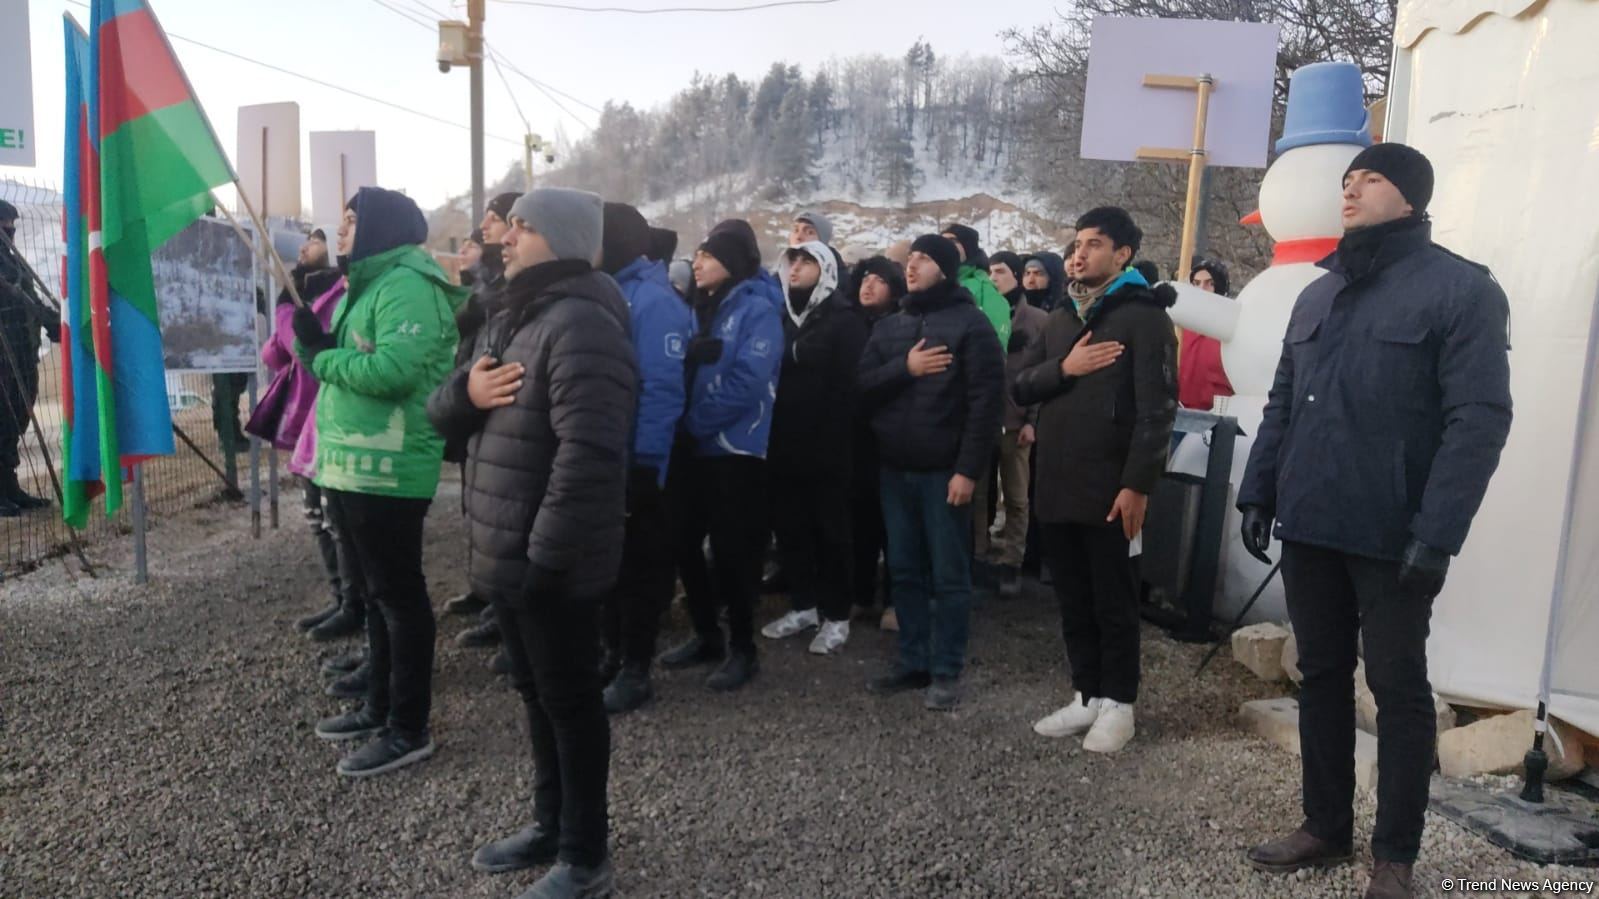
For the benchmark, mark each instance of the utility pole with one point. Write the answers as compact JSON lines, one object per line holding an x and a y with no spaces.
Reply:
{"x":474,"y":51}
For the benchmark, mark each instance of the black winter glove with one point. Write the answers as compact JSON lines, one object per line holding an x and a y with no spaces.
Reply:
{"x":542,"y":584}
{"x":1018,"y":342}
{"x":705,"y":350}
{"x":1257,"y":532}
{"x":308,"y":331}
{"x":1422,"y":569}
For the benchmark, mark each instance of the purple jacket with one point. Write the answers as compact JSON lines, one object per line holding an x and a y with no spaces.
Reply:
{"x":290,"y":375}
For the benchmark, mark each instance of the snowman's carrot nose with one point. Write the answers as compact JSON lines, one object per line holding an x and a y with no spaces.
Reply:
{"x":1251,"y":219}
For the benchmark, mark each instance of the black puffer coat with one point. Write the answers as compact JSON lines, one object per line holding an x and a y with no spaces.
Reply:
{"x":546,"y":477}
{"x":814,"y":410}
{"x":1391,"y":402}
{"x":943,"y":422}
{"x":1111,"y":429}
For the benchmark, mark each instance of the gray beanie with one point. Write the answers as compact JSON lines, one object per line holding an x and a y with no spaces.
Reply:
{"x":822,"y":224}
{"x":571,"y":221}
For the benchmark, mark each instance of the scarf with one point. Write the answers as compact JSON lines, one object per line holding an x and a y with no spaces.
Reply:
{"x":1085,"y":298}
{"x":1358,"y":249}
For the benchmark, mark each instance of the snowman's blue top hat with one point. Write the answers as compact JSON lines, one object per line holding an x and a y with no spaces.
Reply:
{"x":1326,"y":105}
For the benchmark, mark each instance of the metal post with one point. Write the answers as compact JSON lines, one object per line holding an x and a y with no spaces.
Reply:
{"x":272,"y":487}
{"x":474,"y":52}
{"x":255,"y":473}
{"x":141,"y":566}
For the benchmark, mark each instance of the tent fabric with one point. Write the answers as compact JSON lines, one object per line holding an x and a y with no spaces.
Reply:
{"x":1512,"y":145}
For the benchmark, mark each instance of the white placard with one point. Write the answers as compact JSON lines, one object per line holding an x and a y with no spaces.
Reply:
{"x":342,"y":162}
{"x":1120,"y":114}
{"x":16,"y":95}
{"x":269,"y":158}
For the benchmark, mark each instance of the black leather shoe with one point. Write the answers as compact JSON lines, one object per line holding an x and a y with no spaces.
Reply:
{"x":630,"y":689}
{"x":693,"y":652}
{"x":738,"y":669}
{"x":305,"y":624}
{"x":357,"y":725}
{"x":568,"y":881}
{"x":480,"y":636}
{"x":467,"y":603}
{"x":352,"y":685}
{"x":348,"y":621}
{"x":1300,"y":849}
{"x":343,"y":663}
{"x":899,"y":680}
{"x":389,"y":751}
{"x":527,"y":848}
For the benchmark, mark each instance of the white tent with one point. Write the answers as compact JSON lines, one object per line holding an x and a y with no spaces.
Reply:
{"x":1503,"y":97}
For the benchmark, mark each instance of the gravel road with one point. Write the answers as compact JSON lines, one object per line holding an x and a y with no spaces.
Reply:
{"x":157,"y":742}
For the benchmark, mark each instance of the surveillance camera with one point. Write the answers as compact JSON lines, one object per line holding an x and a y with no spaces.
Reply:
{"x":444,"y":66}
{"x":549,"y":158}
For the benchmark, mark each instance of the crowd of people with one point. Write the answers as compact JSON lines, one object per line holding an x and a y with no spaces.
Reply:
{"x":627,"y":421}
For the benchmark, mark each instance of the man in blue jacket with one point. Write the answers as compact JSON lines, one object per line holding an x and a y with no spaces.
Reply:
{"x":662,"y":326}
{"x":718,"y":476}
{"x":1384,"y":424}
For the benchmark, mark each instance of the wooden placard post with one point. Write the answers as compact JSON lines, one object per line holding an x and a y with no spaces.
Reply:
{"x":1203,"y":86}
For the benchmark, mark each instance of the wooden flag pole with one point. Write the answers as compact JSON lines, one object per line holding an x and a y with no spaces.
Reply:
{"x":266,"y":253}
{"x":1195,"y":156}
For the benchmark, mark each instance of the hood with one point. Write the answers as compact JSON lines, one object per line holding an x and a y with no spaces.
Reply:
{"x":385,"y":220}
{"x":644,"y":270}
{"x":1056,"y":267}
{"x":1131,"y":287}
{"x":825,"y":286}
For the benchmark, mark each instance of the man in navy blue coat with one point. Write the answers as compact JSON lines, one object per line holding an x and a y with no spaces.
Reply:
{"x":1385,"y":422}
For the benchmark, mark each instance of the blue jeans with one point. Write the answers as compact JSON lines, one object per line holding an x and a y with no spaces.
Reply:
{"x":930,"y":567}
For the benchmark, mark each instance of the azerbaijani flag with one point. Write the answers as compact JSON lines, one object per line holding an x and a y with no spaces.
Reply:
{"x":80,"y":441}
{"x":158,"y":160}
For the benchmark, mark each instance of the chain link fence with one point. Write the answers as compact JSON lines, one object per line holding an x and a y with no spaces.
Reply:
{"x":207,"y":409}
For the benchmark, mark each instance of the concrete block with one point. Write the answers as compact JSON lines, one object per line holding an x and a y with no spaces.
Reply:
{"x":1366,"y":706}
{"x":1497,"y":745}
{"x":1259,"y":648}
{"x":1291,"y":659}
{"x":1277,"y":721}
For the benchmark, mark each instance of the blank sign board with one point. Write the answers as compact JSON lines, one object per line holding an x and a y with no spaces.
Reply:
{"x":268,"y":154}
{"x":1120,"y":114}
{"x":342,"y":162}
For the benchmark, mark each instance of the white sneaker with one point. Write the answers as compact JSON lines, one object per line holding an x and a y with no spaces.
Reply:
{"x":1113,"y":729}
{"x":790,"y":624}
{"x":830,"y":637}
{"x":1070,"y":720}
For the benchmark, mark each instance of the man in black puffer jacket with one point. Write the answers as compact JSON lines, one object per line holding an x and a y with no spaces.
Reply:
{"x":1105,"y":376}
{"x":547,"y":408}
{"x":933,"y":376}
{"x":809,"y":455}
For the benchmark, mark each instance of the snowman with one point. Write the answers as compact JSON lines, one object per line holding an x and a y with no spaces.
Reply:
{"x":1301,"y":208}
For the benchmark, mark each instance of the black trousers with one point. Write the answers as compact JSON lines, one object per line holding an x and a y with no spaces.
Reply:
{"x":553,"y":644}
{"x":16,"y":396}
{"x":632,"y":614}
{"x":867,"y":535}
{"x":1098,"y":598}
{"x":1333,"y":600}
{"x":322,"y":533}
{"x":812,"y":516}
{"x":386,"y":535}
{"x":723,"y":498}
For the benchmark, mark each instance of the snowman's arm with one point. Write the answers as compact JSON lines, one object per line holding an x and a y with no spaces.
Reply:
{"x":1259,"y":486}
{"x":1154,"y":358}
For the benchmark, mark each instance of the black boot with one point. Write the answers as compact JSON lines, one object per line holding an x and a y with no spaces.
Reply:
{"x":348,"y":621}
{"x":354,"y":684}
{"x":739,"y":669}
{"x":696,"y":650}
{"x":569,"y":881}
{"x":526,"y":848}
{"x":12,"y":491}
{"x":310,"y":621}
{"x":482,"y":635}
{"x":630,"y":689}
{"x":9,"y":509}
{"x":467,"y":603}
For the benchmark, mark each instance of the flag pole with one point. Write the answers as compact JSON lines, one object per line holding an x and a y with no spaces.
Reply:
{"x":266,"y":253}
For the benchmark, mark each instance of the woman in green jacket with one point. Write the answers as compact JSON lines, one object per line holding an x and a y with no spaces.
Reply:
{"x":392,"y":342}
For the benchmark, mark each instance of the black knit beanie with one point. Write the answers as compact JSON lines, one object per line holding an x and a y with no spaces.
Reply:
{"x":732,"y":243}
{"x":501,"y":205}
{"x":1404,"y":166}
{"x":1010,"y":260}
{"x":938,"y":248}
{"x":970,"y":242}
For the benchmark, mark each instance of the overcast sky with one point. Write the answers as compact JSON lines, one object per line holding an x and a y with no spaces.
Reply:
{"x":594,"y":57}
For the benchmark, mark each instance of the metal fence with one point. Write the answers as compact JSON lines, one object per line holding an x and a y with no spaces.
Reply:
{"x":172,"y":484}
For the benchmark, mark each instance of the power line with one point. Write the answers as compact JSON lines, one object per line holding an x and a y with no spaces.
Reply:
{"x":667,"y":9}
{"x":526,"y":126}
{"x":428,"y":10}
{"x":547,"y":89}
{"x":407,"y":15}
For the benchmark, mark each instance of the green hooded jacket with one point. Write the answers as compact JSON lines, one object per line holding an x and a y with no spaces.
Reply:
{"x":989,"y":300}
{"x":396,"y":335}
